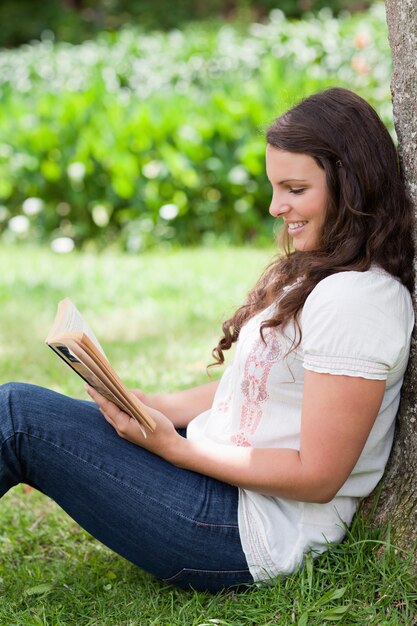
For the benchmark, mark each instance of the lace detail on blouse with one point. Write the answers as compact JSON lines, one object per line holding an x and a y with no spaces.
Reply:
{"x":257,"y":369}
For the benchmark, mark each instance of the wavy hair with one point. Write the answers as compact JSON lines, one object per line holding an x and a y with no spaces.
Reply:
{"x":369,"y":217}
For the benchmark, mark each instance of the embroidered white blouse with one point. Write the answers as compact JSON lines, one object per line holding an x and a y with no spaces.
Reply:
{"x":353,"y":323}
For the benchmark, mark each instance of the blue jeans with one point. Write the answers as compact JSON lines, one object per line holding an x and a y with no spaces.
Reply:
{"x":176,"y":524}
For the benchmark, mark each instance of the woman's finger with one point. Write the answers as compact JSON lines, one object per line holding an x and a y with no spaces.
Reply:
{"x":110,"y":411}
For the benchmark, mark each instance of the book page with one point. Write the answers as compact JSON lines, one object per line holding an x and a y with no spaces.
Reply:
{"x":99,"y":380}
{"x":137,"y":408}
{"x":69,"y":320}
{"x":74,"y":341}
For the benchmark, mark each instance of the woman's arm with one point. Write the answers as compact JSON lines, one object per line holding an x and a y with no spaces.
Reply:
{"x":337,"y":415}
{"x":181,"y":406}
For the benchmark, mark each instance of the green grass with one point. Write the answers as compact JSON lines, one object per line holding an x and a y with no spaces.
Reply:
{"x":157,"y":316}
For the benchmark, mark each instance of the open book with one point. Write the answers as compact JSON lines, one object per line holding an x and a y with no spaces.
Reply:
{"x":72,"y":339}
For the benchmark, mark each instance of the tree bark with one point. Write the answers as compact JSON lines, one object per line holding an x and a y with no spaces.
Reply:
{"x":398,"y":499}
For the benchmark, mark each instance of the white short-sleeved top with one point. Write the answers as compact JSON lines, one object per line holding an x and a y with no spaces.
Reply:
{"x":353,"y":323}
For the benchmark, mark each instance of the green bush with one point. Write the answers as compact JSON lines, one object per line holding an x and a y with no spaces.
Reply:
{"x":76,"y":20}
{"x":137,"y":139}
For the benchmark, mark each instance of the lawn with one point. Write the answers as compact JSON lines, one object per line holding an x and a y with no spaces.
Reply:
{"x":158,"y":316}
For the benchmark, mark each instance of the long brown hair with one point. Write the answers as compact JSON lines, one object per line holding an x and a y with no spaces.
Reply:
{"x":369,"y":218}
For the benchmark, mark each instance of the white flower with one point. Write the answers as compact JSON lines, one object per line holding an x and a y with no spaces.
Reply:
{"x":19,"y":224}
{"x":100,"y":215}
{"x":76,"y":171}
{"x":238,"y":175}
{"x":168,"y":211}
{"x":32,"y":206}
{"x":62,"y":245}
{"x":152,"y":169}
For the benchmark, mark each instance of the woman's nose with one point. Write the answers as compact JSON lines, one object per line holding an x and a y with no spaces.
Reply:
{"x":278,"y":208}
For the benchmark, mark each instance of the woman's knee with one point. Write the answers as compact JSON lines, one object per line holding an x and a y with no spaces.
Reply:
{"x":10,"y":392}
{"x":14,"y":390}
{"x":11,"y":398}
{"x":16,"y":396}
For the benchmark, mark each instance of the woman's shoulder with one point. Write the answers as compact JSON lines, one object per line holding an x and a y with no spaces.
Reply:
{"x":370,"y":281}
{"x":365,"y":317}
{"x":353,"y":290}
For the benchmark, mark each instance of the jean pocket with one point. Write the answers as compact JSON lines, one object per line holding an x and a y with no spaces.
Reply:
{"x":210,"y":580}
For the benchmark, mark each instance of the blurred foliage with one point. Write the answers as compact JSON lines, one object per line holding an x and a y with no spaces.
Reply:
{"x":76,"y":20}
{"x":134,"y":139}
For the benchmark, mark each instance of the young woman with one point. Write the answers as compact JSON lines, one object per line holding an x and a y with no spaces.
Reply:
{"x":300,"y":426}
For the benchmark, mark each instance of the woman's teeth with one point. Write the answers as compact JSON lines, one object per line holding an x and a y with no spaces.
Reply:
{"x":294,"y":225}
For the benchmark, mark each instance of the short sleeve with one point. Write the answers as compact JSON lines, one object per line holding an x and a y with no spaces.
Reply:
{"x":357,"y":324}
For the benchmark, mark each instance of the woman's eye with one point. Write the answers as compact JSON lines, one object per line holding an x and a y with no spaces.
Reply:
{"x":298,"y":190}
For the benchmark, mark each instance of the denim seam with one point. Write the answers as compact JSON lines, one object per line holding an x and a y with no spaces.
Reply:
{"x":129,"y":487}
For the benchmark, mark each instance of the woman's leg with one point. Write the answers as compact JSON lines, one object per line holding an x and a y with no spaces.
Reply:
{"x":178,"y":525}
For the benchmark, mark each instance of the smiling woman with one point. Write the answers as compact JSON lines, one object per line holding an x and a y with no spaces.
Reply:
{"x":243,"y":476}
{"x":300,"y":195}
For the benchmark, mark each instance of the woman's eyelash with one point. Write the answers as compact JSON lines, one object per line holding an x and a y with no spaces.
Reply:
{"x":299,"y":190}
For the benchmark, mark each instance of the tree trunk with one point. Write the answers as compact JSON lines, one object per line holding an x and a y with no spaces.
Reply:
{"x":398,"y":500}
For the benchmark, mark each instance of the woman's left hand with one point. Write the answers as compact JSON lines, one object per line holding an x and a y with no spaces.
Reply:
{"x":160,"y":442}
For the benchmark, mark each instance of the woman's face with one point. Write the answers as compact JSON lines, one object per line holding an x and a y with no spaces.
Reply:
{"x":299,"y":195}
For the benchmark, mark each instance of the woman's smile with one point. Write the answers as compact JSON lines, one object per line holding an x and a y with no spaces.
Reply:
{"x":295,"y":226}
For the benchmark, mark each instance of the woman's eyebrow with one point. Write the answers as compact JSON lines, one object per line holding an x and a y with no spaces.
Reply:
{"x":292,"y":180}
